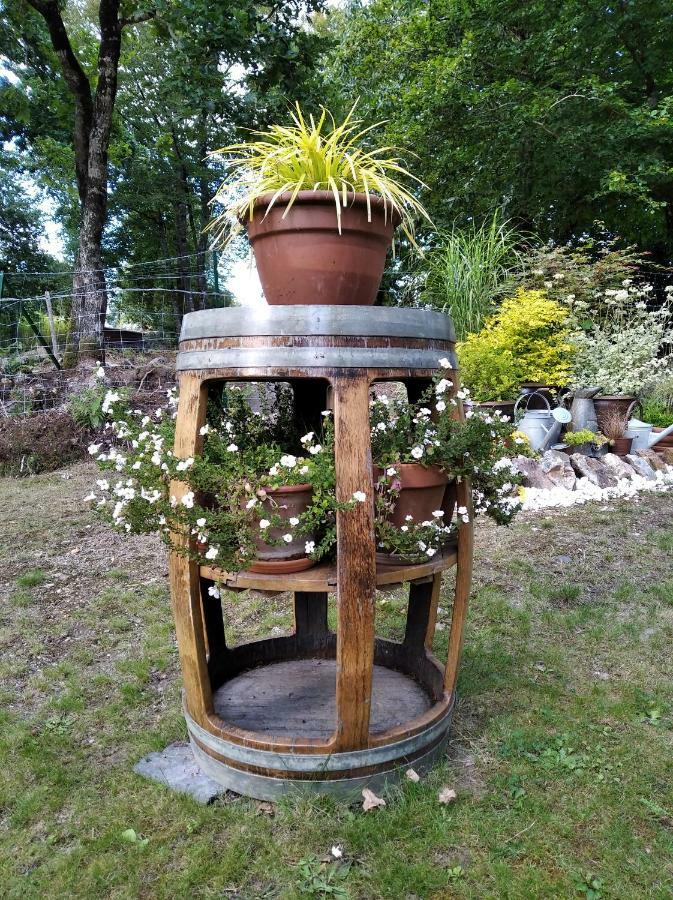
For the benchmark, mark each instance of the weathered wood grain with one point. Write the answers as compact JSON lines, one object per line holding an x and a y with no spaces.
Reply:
{"x":356,"y":564}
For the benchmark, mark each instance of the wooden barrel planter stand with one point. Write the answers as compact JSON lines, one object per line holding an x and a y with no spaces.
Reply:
{"x":318,"y":710}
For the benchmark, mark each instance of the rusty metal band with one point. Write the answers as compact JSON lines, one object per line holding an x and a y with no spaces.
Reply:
{"x":321,"y":762}
{"x":313,"y":358}
{"x":266,"y":787}
{"x":373,"y":321}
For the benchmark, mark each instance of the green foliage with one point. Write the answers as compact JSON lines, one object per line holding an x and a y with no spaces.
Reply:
{"x":585,"y":436}
{"x":657,"y":414}
{"x":557,"y":114}
{"x":469,"y":270}
{"x":86,"y":408}
{"x":312,"y":156}
{"x":526,"y":340}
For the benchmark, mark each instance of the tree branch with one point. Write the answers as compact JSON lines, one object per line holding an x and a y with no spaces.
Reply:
{"x":77,"y":83}
{"x":138,"y":17}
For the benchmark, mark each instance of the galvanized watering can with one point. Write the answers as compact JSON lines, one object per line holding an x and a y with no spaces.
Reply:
{"x":542,"y":427}
{"x":642,"y":435}
{"x":583,"y":411}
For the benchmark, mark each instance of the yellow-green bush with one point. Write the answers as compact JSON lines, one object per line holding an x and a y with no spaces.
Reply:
{"x":526,"y":340}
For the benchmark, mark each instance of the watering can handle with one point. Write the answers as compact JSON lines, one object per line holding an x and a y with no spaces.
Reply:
{"x":636,"y":404}
{"x":527,"y":397}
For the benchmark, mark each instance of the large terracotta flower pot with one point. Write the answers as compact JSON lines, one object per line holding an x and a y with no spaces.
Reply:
{"x":613,"y":404}
{"x":301,"y":257}
{"x":287,"y":501}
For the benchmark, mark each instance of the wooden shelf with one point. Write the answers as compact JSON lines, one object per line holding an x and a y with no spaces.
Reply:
{"x":323,"y":577}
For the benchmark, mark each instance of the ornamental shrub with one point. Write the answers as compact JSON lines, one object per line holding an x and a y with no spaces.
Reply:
{"x":526,"y":340}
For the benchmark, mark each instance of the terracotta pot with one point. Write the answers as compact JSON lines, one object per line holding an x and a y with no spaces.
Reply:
{"x":302,"y":258}
{"x":610,"y":404}
{"x":504,"y":407}
{"x":665,"y":443}
{"x":621,"y":446}
{"x":422,"y":490}
{"x":287,"y":501}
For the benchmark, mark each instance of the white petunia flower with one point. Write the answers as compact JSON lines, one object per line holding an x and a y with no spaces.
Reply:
{"x":287,"y":538}
{"x":462,"y":510}
{"x":93,"y":449}
{"x":417,"y":452}
{"x":391,"y":471}
{"x":445,"y":363}
{"x":315,"y":449}
{"x":89,"y":497}
{"x":232,"y":448}
{"x":309,"y":546}
{"x":251,"y":502}
{"x":438,"y":513}
{"x":360,"y":496}
{"x":212,"y":553}
{"x":264,"y":523}
{"x":201,"y":522}
{"x":294,"y":520}
{"x":440,"y":406}
{"x":214,"y":592}
{"x":431,"y":551}
{"x":188,"y":500}
{"x":204,"y":429}
{"x":307,"y":438}
{"x":288,"y":460}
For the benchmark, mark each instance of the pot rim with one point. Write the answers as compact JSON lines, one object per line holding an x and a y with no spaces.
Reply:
{"x":322,"y":198}
{"x":613,"y":397}
{"x":289,"y":489}
{"x":440,"y":476}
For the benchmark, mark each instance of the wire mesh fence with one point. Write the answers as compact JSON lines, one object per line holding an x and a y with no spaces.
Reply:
{"x":144,"y":304}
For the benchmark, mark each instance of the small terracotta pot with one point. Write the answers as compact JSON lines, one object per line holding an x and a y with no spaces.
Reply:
{"x":611,"y":404}
{"x":422,"y":490}
{"x":621,"y":446}
{"x":504,"y":407}
{"x":302,"y":258}
{"x":287,"y":501}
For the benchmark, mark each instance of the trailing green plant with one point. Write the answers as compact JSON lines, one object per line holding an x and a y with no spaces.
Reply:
{"x":225,"y":506}
{"x":469,"y":270}
{"x":431,"y":432}
{"x":311,"y":155}
{"x":526,"y":340}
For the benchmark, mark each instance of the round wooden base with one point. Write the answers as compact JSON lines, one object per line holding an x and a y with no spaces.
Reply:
{"x":298,"y":697}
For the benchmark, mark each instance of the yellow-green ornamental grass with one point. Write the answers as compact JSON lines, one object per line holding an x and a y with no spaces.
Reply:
{"x":312,"y":155}
{"x":526,"y":340}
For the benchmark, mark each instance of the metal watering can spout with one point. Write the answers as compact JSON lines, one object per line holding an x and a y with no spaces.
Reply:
{"x":660,"y":435}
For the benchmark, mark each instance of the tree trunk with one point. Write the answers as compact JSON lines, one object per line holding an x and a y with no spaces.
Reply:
{"x":92,"y":127}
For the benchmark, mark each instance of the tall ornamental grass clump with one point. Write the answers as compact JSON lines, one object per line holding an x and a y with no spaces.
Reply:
{"x":526,"y":340}
{"x":469,"y":271}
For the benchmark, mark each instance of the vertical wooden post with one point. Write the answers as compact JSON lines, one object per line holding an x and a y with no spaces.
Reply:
{"x":184,"y":572}
{"x":310,"y":620}
{"x":462,"y":590}
{"x":422,"y":613}
{"x":432,"y":618}
{"x":356,"y":563}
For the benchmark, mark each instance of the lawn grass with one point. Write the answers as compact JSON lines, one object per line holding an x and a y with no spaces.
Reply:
{"x":561,"y":745}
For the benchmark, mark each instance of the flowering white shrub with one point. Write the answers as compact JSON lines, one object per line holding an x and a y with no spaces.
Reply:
{"x":621,"y":346}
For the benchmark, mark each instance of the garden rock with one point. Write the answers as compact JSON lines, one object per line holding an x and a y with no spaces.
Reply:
{"x":618,"y":467}
{"x":641,"y":466}
{"x":667,"y":455}
{"x":557,"y":467}
{"x":533,"y":476}
{"x":594,"y":470}
{"x":653,"y":459}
